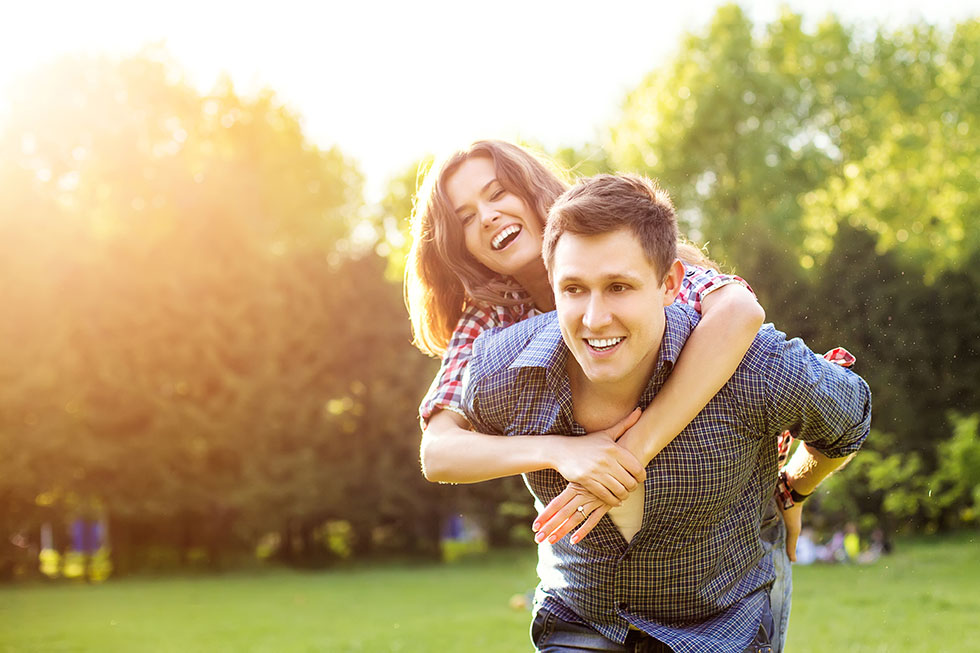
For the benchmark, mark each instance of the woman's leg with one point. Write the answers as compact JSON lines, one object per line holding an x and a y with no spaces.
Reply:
{"x":773,"y":534}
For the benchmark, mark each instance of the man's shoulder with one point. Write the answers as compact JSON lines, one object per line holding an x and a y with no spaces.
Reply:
{"x":508,"y":364}
{"x":772,"y":350}
{"x":748,"y":387}
{"x":496,"y":350}
{"x":765,"y":346}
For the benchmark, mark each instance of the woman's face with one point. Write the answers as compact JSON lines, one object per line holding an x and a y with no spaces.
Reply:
{"x":499,"y":229}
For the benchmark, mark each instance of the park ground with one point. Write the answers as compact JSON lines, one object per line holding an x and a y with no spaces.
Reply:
{"x":924,"y":597}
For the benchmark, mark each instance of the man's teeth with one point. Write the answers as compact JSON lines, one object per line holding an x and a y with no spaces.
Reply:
{"x":603,"y":343}
{"x":499,"y":239}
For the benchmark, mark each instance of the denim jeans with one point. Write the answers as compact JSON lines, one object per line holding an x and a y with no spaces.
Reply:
{"x":780,"y":595}
{"x":553,"y":635}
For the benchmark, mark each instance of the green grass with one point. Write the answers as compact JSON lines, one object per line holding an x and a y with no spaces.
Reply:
{"x":926,"y":597}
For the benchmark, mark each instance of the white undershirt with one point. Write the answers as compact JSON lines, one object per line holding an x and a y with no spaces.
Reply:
{"x":629,"y":517}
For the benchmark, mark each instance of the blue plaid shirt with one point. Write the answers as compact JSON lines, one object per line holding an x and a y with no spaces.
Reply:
{"x":695,"y":575}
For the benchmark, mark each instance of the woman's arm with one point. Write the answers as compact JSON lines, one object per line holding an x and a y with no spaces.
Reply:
{"x":451,"y":453}
{"x":731,"y":317}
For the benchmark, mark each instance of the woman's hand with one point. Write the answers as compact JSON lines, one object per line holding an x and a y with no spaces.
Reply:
{"x":793,"y":518}
{"x":562,"y":515}
{"x":600,"y":466}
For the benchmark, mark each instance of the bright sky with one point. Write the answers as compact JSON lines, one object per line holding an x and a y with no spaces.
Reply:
{"x":391,"y":81}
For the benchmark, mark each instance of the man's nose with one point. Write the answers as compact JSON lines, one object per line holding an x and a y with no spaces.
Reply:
{"x":597,"y":314}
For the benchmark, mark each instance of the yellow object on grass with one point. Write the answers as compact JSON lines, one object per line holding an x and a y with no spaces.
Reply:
{"x":49,"y":562}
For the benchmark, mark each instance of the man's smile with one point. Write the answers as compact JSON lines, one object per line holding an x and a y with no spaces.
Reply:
{"x":602,"y":345}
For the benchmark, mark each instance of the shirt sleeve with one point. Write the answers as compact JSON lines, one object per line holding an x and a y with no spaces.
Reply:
{"x":446,"y":391}
{"x":822,"y":403}
{"x":700,"y":282}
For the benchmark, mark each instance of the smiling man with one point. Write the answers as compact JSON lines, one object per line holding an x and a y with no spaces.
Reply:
{"x":679,"y":566}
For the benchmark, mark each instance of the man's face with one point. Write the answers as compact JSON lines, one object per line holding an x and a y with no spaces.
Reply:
{"x":610,"y":303}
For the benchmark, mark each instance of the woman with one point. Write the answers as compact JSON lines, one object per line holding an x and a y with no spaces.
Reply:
{"x":475,"y":263}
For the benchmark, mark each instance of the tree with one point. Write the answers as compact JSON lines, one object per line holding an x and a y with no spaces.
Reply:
{"x":174,"y":267}
{"x":835,"y":172}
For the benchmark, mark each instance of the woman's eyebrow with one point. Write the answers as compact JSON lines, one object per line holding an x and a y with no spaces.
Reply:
{"x":490,"y":183}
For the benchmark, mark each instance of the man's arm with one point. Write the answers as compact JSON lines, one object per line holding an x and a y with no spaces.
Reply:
{"x":823,"y":404}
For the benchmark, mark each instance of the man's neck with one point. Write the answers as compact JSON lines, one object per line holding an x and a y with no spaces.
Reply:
{"x":597,"y":406}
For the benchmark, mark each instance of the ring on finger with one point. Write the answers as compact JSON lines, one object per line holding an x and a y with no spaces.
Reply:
{"x":581,"y":510}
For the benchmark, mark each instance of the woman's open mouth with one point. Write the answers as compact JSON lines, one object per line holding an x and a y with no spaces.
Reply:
{"x":505,"y":237}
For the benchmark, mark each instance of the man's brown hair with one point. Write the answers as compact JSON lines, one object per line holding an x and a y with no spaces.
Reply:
{"x":605,"y":203}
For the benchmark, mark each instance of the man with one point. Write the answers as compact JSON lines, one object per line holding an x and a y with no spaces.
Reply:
{"x":679,"y":566}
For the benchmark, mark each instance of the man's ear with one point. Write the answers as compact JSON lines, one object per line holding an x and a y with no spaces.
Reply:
{"x":675,"y":275}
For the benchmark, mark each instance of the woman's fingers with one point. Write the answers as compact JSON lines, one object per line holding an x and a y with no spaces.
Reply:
{"x":593,"y":519}
{"x":601,"y":492}
{"x":565,"y":520}
{"x":620,"y":488}
{"x":633,"y":467}
{"x":622,"y":426}
{"x":550,"y":527}
{"x":556,"y":504}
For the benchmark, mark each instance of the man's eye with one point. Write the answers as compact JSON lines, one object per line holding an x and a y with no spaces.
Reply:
{"x":619,"y":287}
{"x":572,"y":290}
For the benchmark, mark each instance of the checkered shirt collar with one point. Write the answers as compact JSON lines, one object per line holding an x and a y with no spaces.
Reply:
{"x":548,"y":350}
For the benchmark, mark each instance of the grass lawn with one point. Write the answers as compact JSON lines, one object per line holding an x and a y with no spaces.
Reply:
{"x":926,"y":597}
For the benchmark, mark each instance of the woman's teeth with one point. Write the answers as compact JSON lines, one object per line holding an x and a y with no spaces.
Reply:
{"x":503,"y":237}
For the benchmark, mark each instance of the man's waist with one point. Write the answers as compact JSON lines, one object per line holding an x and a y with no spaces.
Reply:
{"x":742,"y":615}
{"x":673,"y":590}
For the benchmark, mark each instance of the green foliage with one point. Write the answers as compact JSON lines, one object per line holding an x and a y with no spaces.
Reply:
{"x":392,"y":221}
{"x":187,"y":338}
{"x":835,"y":171}
{"x":913,"y":184}
{"x":885,"y":487}
{"x":956,"y":484}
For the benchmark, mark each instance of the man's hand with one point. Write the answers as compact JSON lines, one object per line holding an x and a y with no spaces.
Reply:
{"x":793,"y":518}
{"x":599,"y":465}
{"x":562,"y":515}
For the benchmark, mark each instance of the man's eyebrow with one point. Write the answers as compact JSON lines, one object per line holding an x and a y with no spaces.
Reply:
{"x":482,"y":191}
{"x":612,"y":276}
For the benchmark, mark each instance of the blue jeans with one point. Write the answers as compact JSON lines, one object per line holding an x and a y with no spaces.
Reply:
{"x":773,"y":534}
{"x":553,"y":635}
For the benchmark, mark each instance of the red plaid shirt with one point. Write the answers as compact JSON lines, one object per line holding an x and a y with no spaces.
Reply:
{"x":446,"y":391}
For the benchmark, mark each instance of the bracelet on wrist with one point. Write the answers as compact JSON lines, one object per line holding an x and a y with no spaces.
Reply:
{"x":785,"y":493}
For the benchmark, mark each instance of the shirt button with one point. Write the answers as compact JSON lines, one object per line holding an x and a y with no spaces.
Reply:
{"x":623,"y":605}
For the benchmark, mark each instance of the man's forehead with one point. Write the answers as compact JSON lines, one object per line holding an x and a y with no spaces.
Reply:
{"x":612,"y":254}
